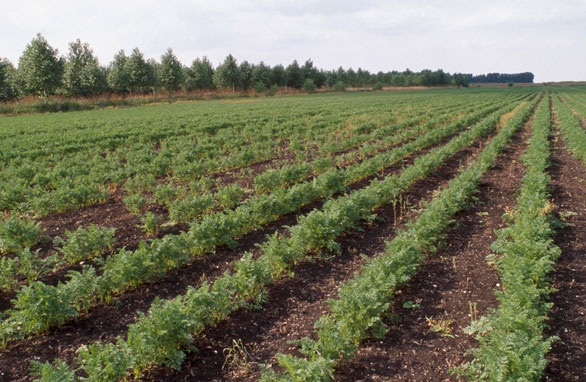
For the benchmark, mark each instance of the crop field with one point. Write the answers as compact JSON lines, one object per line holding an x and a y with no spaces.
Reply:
{"x":433,"y":235}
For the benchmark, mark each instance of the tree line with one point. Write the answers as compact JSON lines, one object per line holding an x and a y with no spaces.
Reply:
{"x":502,"y":78}
{"x":42,"y":72}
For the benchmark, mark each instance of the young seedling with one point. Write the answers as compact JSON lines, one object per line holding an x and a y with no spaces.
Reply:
{"x":411,"y":305}
{"x":443,"y":327}
{"x":235,"y":356}
{"x":473,"y":310}
{"x":150,"y":223}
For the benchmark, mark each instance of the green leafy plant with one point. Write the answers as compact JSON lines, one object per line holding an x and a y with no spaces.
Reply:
{"x":135,"y":203}
{"x":150,"y":223}
{"x":17,"y":234}
{"x":229,"y":196}
{"x":166,"y":193}
{"x":441,"y":326}
{"x":8,"y":269}
{"x":185,"y":210}
{"x":30,"y":264}
{"x":411,"y":305}
{"x":85,"y":243}
{"x":57,"y":372}
{"x":104,"y":362}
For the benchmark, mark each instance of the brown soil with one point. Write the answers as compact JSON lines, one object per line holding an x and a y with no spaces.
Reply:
{"x":568,"y":315}
{"x":295,"y":303}
{"x":111,"y":213}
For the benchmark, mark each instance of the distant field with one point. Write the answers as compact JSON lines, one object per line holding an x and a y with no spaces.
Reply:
{"x":405,"y":236}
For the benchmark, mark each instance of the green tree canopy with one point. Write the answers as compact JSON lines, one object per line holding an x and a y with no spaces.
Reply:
{"x":82,"y":75}
{"x":279,"y":75}
{"x":170,"y":71}
{"x":8,"y":81}
{"x":40,"y":71}
{"x":153,"y":67}
{"x":262,"y":73}
{"x":93,"y":80}
{"x":245,"y":75}
{"x":363,"y":77}
{"x":118,"y":77}
{"x":39,"y":68}
{"x":227,"y":75}
{"x":201,"y":75}
{"x":308,"y":70}
{"x":294,"y":75}
{"x":141,"y":74}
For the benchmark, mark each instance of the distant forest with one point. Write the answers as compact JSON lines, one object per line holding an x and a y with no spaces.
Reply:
{"x":43,"y":72}
{"x":501,"y":78}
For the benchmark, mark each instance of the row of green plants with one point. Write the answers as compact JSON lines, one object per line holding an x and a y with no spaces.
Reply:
{"x":364,"y":129}
{"x":512,"y":343}
{"x":23,"y":264}
{"x":165,"y":333}
{"x":576,"y":100}
{"x":363,"y":301}
{"x":572,"y":131}
{"x":378,"y":139}
{"x":17,"y":234}
{"x":38,"y":306}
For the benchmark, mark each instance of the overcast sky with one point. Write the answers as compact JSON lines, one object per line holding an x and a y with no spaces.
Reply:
{"x":547,"y":37}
